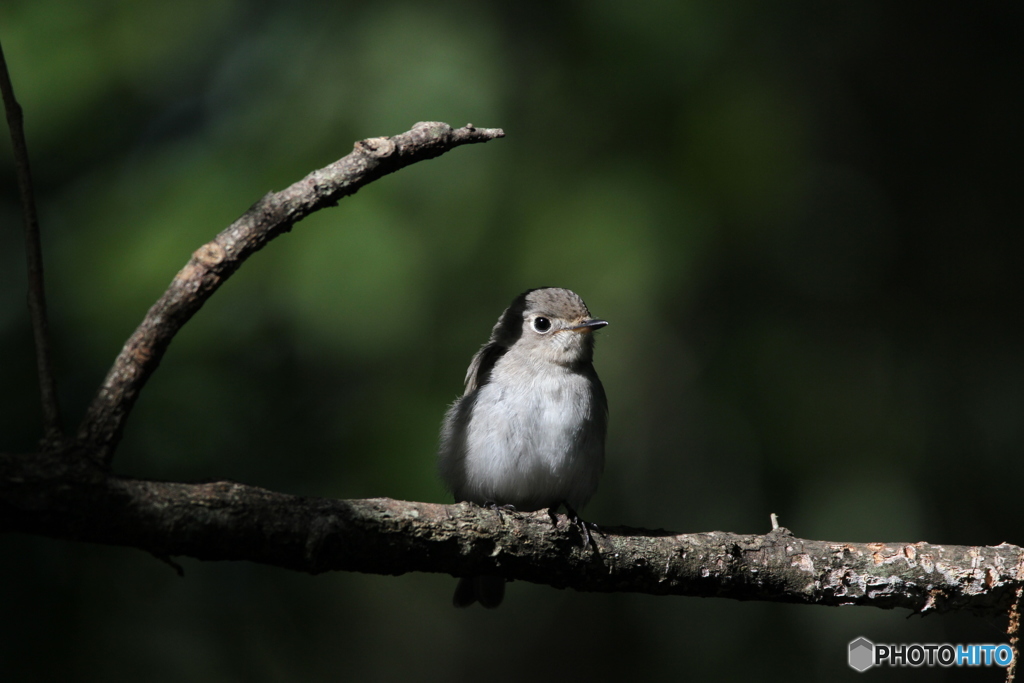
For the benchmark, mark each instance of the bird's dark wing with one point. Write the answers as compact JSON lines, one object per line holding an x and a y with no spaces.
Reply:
{"x":479,"y":372}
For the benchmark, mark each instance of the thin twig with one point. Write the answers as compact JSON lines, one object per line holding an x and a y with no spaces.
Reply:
{"x":217,"y":260}
{"x":53,"y":435}
{"x":1013,"y":627}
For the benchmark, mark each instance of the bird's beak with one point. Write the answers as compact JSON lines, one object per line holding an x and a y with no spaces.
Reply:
{"x":588,"y":326}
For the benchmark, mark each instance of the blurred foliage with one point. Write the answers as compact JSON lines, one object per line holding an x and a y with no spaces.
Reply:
{"x":798,"y":217}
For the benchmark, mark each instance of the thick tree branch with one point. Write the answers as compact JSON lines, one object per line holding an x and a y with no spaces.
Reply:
{"x":52,"y":432}
{"x":215,"y":261}
{"x":77,"y":499}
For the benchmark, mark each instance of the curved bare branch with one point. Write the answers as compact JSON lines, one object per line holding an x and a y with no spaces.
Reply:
{"x":215,"y":261}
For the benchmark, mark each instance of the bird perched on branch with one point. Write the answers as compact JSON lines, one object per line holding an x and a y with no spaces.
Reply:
{"x":529,"y":431}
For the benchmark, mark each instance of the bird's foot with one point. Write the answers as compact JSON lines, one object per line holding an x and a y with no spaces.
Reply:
{"x":584,"y":527}
{"x":491,"y":505}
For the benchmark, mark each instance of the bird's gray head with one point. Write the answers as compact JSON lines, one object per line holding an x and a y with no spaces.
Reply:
{"x":549,"y":323}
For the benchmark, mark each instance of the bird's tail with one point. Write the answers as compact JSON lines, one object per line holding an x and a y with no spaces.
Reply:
{"x":487,"y":590}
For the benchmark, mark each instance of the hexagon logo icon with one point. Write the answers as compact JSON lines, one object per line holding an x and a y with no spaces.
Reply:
{"x":862,"y":654}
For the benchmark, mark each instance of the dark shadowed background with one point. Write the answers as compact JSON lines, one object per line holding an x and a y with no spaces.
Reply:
{"x":802,"y":219}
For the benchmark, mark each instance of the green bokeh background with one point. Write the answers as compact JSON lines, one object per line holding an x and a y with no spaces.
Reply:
{"x":802,"y":219}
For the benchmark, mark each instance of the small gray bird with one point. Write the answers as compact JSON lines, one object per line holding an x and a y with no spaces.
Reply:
{"x":529,"y":430}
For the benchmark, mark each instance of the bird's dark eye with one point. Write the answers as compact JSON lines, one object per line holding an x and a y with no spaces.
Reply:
{"x":541,"y":324}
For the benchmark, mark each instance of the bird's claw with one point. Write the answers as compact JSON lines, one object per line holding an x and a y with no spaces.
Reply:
{"x":494,"y":506}
{"x":491,"y":505}
{"x":583,"y":527}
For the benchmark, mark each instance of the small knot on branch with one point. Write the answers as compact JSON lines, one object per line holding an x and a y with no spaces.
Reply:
{"x":142,"y":353}
{"x":376,"y":147}
{"x":210,"y":254}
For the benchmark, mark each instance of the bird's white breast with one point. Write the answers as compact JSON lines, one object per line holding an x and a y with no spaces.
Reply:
{"x":526,"y":444}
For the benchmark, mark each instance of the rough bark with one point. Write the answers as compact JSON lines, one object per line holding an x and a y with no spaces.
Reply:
{"x":77,"y":499}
